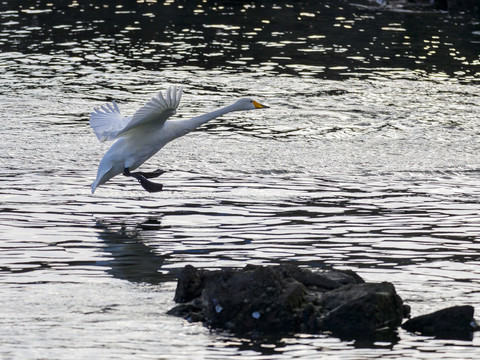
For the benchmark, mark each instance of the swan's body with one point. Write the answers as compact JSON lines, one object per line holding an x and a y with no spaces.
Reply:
{"x":141,"y":136}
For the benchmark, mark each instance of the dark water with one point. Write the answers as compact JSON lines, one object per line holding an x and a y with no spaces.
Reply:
{"x":367,"y":160}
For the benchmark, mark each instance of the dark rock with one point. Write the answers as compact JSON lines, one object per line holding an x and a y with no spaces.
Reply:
{"x":455,"y":322}
{"x":190,"y":284}
{"x":257,"y":299}
{"x":286,"y":298}
{"x":363,"y":309}
{"x":277,"y":300}
{"x":321,"y":281}
{"x":191,"y":311}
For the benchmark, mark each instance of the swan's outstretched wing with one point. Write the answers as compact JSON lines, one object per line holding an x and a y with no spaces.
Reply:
{"x":107,"y":121}
{"x":157,"y":110}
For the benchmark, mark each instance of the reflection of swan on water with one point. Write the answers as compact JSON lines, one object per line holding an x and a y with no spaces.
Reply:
{"x":141,"y":136}
{"x":132,"y":259}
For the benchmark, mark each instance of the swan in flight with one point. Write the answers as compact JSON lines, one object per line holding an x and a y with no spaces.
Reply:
{"x":139,"y":137}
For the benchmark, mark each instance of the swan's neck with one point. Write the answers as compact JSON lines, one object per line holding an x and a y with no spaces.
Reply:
{"x":193,"y":123}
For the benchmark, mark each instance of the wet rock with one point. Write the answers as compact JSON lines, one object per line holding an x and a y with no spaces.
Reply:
{"x":286,"y":298}
{"x":257,"y":299}
{"x":190,"y":284}
{"x":455,"y":322}
{"x":327,"y":280}
{"x":363,"y":309}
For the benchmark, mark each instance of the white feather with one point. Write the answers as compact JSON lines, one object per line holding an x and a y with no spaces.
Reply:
{"x":157,"y":110}
{"x":107,"y":121}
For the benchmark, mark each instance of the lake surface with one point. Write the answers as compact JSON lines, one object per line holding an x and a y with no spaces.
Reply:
{"x":367,"y":160}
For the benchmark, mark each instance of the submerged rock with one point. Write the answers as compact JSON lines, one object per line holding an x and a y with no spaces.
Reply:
{"x":455,"y":322}
{"x":286,"y":298}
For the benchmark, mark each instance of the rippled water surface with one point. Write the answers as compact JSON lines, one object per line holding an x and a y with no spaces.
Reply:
{"x":367,"y":160}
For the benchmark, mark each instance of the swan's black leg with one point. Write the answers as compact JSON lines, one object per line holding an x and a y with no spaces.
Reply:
{"x":142,"y":179}
{"x":150,"y":175}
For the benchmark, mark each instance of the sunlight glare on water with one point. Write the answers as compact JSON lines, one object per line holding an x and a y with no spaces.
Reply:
{"x":367,"y":160}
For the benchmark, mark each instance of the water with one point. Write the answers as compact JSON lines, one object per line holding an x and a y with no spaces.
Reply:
{"x":367,"y":160}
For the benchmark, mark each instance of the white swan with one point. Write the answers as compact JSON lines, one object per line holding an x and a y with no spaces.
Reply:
{"x":141,"y":136}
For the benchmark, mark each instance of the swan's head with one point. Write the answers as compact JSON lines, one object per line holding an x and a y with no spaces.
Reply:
{"x":248,"y":104}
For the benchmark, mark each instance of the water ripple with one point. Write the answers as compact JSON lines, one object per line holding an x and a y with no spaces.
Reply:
{"x":366,"y":160}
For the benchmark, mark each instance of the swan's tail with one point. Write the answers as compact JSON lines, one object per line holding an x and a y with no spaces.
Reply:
{"x":105,"y":172}
{"x":94,"y":186}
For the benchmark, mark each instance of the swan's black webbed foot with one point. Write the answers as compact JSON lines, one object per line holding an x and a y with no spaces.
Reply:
{"x":142,"y":179}
{"x":148,"y":185}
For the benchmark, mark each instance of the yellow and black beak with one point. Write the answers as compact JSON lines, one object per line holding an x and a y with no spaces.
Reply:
{"x":259,"y":106}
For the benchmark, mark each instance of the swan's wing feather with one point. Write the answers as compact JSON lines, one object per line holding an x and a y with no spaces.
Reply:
{"x":107,"y":121}
{"x":157,"y":110}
